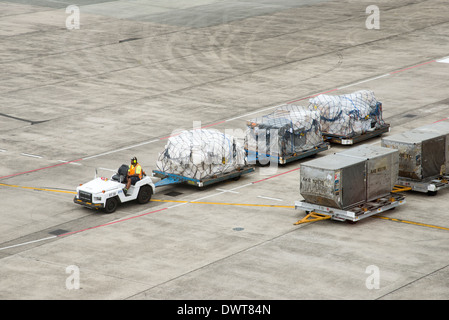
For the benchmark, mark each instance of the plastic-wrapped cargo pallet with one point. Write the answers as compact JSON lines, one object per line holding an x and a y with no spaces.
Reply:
{"x":347,"y":179}
{"x":287,"y":130}
{"x":349,"y":114}
{"x":201,"y":153}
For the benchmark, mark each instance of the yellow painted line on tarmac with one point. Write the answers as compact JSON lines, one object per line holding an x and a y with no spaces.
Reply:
{"x":37,"y":189}
{"x":158,"y":200}
{"x":227,"y":203}
{"x":412,"y":222}
{"x":244,"y":204}
{"x":232,"y":204}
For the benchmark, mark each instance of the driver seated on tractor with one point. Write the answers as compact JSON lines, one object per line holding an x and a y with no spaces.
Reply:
{"x":135,"y":174}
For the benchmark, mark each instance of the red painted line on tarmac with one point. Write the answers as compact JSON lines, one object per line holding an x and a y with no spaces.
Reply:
{"x":29,"y":171}
{"x":442,"y":120}
{"x":111,"y":223}
{"x":418,"y":65}
{"x":213,"y":124}
{"x":277,"y":175}
{"x":169,"y":136}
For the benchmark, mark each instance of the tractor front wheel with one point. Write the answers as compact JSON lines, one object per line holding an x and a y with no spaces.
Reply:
{"x":144,"y":195}
{"x":111,"y":205}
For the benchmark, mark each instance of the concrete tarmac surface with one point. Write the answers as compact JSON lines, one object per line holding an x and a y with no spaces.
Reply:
{"x":132,"y":73}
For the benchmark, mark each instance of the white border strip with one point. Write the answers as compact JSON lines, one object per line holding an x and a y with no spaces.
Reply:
{"x":121,"y":149}
{"x":29,"y":242}
{"x":367,"y":80}
{"x":276,"y":199}
{"x":30,"y":155}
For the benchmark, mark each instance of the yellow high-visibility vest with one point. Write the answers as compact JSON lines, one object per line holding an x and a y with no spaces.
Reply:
{"x":137,"y":169}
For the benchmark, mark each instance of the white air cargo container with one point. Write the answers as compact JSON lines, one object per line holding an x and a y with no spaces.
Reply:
{"x":422,"y":153}
{"x":335,"y":180}
{"x":441,"y":128}
{"x":349,"y":178}
{"x":350,"y":185}
{"x":382,"y":167}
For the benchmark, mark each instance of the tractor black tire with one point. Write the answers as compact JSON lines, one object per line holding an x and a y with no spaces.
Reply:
{"x":111,"y":205}
{"x":144,"y":195}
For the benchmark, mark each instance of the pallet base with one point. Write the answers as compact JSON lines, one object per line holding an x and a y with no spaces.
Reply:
{"x":346,"y":140}
{"x":253,"y":156}
{"x":170,"y":178}
{"x":429,"y":185}
{"x":317,"y":212}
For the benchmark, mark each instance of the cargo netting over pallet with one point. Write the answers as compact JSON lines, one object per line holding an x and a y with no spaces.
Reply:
{"x":348,"y":114}
{"x":287,"y":130}
{"x":201,"y":154}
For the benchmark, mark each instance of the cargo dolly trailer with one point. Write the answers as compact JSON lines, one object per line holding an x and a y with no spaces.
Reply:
{"x":288,"y":134}
{"x":171,"y":179}
{"x":264,"y":159}
{"x":317,"y":212}
{"x":350,"y":118}
{"x":430,"y":185}
{"x":350,"y":185}
{"x":423,"y":157}
{"x":356,"y":138}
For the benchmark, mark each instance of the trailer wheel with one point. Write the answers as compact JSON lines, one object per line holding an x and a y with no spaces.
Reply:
{"x":111,"y":205}
{"x":144,"y":194}
{"x":432,"y":193}
{"x":262,"y":165}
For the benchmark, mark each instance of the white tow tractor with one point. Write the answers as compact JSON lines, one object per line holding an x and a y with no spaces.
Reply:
{"x":107,"y":193}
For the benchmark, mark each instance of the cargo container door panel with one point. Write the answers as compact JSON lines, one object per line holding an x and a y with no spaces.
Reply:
{"x":353,"y":184}
{"x":433,"y":156}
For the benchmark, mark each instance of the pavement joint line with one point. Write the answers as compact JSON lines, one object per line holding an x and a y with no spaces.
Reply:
{"x":413,"y":281}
